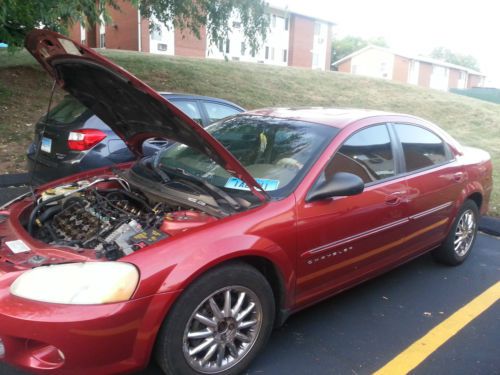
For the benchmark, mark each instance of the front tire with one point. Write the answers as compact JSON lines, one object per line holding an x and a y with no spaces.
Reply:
{"x":219,"y":324}
{"x":458,"y":244}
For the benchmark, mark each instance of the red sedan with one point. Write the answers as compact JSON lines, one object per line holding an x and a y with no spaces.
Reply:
{"x":193,"y":256}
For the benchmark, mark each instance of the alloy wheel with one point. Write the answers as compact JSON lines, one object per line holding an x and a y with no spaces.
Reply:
{"x":465,"y":233}
{"x":222,"y":329}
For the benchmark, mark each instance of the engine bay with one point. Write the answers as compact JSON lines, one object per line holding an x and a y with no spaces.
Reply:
{"x":107,"y":216}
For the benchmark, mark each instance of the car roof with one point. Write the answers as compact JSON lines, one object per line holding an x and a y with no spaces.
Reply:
{"x":172,"y":95}
{"x":336,"y":117}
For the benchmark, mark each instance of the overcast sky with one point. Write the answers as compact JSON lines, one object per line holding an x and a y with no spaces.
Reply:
{"x":416,"y":27}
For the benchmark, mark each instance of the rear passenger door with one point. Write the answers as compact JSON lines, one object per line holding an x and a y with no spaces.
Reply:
{"x":434,"y":180}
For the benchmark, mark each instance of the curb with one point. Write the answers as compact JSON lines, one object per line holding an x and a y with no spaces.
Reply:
{"x":17,"y":179}
{"x":490,"y":225}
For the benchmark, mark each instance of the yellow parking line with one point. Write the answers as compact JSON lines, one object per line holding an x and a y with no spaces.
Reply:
{"x":417,"y":352}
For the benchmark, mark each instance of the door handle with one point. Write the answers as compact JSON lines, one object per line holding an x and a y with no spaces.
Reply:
{"x":458,"y":177}
{"x":394,"y":198}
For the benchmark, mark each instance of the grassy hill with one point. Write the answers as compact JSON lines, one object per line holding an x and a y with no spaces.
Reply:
{"x":24,"y":92}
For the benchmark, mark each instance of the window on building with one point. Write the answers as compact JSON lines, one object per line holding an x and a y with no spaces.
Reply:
{"x":286,"y":23}
{"x":227,"y":45}
{"x":273,"y":21}
{"x":272,"y":53}
{"x":102,"y":40}
{"x":421,"y":147}
{"x":315,"y":59}
{"x":367,"y":154}
{"x":156,"y":34}
{"x":317,"y":28}
{"x":285,"y":55}
{"x":236,"y":25}
{"x":243,"y":48}
{"x":439,"y":70}
{"x":383,"y":69}
{"x":267,"y":53}
{"x":221,"y":45}
{"x":162,"y":47}
{"x":83,"y":34}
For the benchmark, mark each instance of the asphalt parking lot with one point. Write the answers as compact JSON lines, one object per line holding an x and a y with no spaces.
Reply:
{"x":363,"y":329}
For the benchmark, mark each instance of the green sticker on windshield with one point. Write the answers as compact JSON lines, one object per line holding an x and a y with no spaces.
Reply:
{"x":267,"y":185}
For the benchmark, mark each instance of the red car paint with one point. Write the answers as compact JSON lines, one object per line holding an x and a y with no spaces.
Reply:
{"x":369,"y":233}
{"x":180,"y":221}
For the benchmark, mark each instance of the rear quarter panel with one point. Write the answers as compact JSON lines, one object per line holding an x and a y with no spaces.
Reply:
{"x":479,"y":179}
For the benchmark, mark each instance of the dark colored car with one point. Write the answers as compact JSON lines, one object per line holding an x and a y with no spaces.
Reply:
{"x":193,"y":255}
{"x":76,"y":140}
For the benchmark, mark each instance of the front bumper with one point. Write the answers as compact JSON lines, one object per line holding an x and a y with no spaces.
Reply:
{"x":74,"y":339}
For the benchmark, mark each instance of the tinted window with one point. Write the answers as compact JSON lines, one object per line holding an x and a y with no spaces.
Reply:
{"x":421,"y":147}
{"x":67,"y":111}
{"x":218,"y":111}
{"x":190,"y":108}
{"x":367,"y":154}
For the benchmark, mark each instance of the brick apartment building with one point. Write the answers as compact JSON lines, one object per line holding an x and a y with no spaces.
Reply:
{"x":384,"y":63}
{"x":293,"y":40}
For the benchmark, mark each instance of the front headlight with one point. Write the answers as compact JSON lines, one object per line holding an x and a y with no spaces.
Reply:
{"x":78,"y":283}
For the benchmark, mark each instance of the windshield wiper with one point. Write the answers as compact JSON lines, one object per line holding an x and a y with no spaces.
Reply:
{"x":164,"y":177}
{"x":214,"y":190}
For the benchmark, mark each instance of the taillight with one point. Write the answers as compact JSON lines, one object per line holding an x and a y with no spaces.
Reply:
{"x":81,"y":140}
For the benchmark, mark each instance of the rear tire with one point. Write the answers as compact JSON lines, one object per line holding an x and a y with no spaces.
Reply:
{"x":460,"y":240}
{"x":219,"y":324}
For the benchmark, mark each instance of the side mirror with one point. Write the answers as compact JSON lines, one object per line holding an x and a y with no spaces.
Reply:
{"x":341,"y":184}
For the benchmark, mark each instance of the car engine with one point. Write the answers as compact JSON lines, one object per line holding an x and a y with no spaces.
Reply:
{"x":107,"y":216}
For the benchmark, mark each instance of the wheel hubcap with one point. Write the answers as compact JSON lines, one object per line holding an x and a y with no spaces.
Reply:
{"x":465,"y":232}
{"x":222,"y":329}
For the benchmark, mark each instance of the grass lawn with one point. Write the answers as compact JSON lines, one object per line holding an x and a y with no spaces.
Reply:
{"x":24,"y":90}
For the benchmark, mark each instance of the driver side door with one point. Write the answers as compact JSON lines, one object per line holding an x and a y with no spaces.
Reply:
{"x":342,"y":240}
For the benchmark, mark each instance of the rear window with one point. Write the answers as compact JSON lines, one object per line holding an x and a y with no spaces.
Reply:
{"x":67,"y":111}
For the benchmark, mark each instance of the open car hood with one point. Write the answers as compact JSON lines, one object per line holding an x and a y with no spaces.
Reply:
{"x":127,"y":105}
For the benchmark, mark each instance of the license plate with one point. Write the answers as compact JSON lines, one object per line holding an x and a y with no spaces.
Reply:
{"x":46,"y":144}
{"x":267,"y":185}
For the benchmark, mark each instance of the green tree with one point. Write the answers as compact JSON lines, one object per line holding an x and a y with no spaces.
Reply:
{"x":349,"y":44}
{"x":18,"y":17}
{"x":444,"y":54}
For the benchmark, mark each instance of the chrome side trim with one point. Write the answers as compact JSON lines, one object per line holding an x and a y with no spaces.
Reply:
{"x":432,"y":210}
{"x":367,"y":233}
{"x":355,"y":237}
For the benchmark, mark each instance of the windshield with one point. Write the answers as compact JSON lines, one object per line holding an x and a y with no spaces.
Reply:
{"x":276,"y":152}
